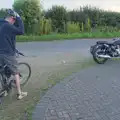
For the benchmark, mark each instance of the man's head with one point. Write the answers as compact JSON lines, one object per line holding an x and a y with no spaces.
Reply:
{"x":10,"y":19}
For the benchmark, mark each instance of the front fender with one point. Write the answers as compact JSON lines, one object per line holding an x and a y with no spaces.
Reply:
{"x":94,"y":47}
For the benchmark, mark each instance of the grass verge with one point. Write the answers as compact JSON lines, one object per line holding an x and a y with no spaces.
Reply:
{"x":52,"y":37}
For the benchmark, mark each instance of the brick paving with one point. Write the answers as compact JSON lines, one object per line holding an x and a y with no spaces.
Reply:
{"x":91,"y":94}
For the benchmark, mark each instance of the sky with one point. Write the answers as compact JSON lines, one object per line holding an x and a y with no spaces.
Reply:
{"x":6,"y":3}
{"x":113,"y":5}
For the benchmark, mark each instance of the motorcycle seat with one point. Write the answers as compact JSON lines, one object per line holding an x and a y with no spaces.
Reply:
{"x":101,"y":42}
{"x":105,"y":42}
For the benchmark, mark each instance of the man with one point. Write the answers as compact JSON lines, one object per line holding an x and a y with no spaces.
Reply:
{"x":8,"y":32}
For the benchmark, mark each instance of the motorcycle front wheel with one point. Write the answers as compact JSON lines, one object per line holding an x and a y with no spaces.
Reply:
{"x":99,"y":51}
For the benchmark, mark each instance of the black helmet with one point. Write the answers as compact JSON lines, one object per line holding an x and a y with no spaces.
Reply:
{"x":10,"y":12}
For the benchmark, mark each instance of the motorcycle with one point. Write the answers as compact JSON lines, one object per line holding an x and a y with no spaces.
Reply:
{"x":104,"y":50}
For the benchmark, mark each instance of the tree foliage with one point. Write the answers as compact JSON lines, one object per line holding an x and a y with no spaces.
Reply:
{"x":58,"y":15}
{"x":30,"y":12}
{"x":58,"y":19}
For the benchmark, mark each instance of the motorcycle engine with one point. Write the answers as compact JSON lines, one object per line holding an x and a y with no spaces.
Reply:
{"x":114,"y":51}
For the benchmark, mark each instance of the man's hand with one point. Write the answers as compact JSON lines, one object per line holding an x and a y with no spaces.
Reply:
{"x":13,"y":13}
{"x":16,"y":14}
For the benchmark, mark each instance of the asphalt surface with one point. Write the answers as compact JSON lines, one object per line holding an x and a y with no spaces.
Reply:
{"x":54,"y":47}
{"x":91,"y":94}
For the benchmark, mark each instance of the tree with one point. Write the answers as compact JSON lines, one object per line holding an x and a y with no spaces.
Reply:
{"x":30,"y":12}
{"x":58,"y":15}
{"x":2,"y":13}
{"x":88,"y":25}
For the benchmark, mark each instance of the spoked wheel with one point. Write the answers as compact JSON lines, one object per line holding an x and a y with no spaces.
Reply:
{"x":24,"y":73}
{"x":99,"y":60}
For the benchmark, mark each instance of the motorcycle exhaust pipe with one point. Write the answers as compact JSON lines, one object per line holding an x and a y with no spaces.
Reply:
{"x":104,"y":56}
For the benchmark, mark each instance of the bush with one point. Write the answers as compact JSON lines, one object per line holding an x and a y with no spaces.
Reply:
{"x":107,"y":29}
{"x":88,"y":25}
{"x":43,"y":26}
{"x":73,"y":27}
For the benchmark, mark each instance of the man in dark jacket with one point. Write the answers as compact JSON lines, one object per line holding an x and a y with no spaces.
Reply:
{"x":8,"y":32}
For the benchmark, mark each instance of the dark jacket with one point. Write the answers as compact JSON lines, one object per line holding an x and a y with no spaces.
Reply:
{"x":8,"y":34}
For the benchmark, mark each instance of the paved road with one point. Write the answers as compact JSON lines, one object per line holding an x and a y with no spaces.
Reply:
{"x":92,"y":94}
{"x":54,"y":47}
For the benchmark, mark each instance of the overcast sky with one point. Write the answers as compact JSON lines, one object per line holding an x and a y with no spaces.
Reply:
{"x":113,"y":5}
{"x":6,"y":3}
{"x":71,"y":4}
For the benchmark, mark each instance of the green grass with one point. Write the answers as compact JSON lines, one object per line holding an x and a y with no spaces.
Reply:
{"x":67,"y":36}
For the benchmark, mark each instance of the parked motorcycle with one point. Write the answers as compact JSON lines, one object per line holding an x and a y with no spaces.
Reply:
{"x":104,"y":50}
